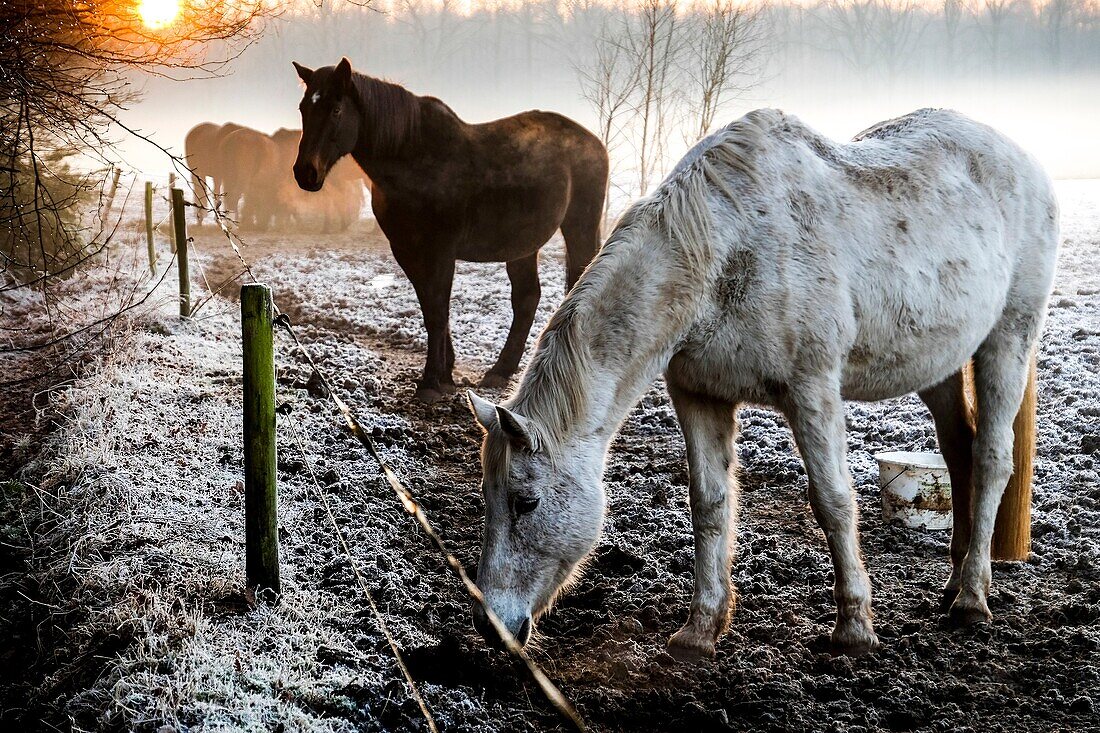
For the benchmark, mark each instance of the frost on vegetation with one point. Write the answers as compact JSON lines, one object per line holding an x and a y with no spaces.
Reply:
{"x":138,"y":512}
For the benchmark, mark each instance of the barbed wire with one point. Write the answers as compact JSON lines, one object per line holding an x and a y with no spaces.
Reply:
{"x":323,"y":496}
{"x":413,"y":507}
{"x":549,"y":690}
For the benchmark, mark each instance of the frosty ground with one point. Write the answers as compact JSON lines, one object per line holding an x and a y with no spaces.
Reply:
{"x":135,"y":571}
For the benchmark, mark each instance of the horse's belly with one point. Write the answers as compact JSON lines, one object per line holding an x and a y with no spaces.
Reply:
{"x":895,"y":353}
{"x":902,"y":371}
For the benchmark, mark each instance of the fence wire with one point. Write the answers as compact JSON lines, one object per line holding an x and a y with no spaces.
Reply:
{"x":322,"y":495}
{"x":413,"y":507}
{"x":549,"y":690}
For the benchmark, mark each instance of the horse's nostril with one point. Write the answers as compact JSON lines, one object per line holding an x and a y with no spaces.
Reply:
{"x":483,"y":627}
{"x":524,"y":631}
{"x":306,"y":176}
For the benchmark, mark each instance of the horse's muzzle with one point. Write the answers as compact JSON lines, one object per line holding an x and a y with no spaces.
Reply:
{"x":519,"y":627}
{"x":307,"y":177}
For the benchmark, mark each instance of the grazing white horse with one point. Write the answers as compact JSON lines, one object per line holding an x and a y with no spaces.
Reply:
{"x":776,"y":267}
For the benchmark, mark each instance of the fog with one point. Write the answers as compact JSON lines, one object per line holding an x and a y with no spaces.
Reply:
{"x":1032,"y":71}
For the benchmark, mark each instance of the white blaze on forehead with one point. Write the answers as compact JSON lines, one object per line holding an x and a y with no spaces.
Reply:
{"x":316,"y":96}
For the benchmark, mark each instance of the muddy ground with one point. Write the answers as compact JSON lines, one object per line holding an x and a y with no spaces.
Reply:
{"x":319,"y":662}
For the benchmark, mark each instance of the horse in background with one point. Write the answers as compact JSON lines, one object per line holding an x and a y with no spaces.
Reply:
{"x":200,"y":152}
{"x":249,"y":159}
{"x":444,"y":190}
{"x":339,"y":201}
{"x":201,"y":148}
{"x":776,"y":267}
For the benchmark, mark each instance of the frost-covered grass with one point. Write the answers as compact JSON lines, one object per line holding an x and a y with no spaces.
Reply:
{"x":135,"y":507}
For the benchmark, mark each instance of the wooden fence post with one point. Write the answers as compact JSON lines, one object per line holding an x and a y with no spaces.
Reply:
{"x":149,"y":228}
{"x":260,"y":505}
{"x":1012,"y":531}
{"x":179,"y":223}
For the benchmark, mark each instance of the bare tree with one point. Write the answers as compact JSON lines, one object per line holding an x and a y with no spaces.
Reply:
{"x":993,"y":16}
{"x":1056,"y":17}
{"x":852,"y":24}
{"x":654,"y":43}
{"x":952,"y":12}
{"x":723,"y":47}
{"x":875,"y":33}
{"x":609,"y":81}
{"x":438,"y":27}
{"x":66,"y":72}
{"x":899,"y":24}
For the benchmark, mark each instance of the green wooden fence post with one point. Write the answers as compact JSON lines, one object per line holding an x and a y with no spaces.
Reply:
{"x":149,"y":228}
{"x":180,"y":228}
{"x":260,"y":504}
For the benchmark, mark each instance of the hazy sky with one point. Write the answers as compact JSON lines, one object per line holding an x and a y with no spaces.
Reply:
{"x":488,"y":66}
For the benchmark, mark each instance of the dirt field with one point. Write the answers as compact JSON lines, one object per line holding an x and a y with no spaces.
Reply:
{"x":143,"y":558}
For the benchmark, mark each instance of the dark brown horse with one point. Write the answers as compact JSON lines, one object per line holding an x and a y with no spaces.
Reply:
{"x":445,"y":190}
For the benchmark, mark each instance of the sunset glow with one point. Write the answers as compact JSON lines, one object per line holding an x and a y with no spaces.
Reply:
{"x":158,"y":13}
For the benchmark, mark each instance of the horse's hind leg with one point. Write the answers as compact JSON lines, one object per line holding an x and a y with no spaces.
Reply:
{"x":709,"y":429}
{"x":1000,"y":375}
{"x":581,"y":231}
{"x":816,"y":415}
{"x":951,"y":412}
{"x":526,"y":292}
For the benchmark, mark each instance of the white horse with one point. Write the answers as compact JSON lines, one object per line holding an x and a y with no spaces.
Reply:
{"x":776,"y":267}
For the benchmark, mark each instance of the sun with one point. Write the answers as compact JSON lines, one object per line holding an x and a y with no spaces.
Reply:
{"x":158,"y":13}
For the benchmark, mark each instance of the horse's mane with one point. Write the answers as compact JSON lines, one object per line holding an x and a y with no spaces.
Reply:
{"x":553,"y":390}
{"x":394,"y":112}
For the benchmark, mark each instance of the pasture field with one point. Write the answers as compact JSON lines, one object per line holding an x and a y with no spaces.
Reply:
{"x":128,"y":610}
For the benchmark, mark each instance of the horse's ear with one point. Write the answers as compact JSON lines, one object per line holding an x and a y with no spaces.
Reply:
{"x":304,"y":72}
{"x":484,"y":410}
{"x":517,"y":428}
{"x":342,"y":75}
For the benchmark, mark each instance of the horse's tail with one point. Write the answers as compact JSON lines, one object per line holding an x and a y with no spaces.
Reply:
{"x":1012,"y":532}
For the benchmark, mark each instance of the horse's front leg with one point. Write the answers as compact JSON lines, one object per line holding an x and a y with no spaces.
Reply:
{"x":816,"y":415}
{"x":710,"y":427}
{"x":432,"y":281}
{"x":526,"y":291}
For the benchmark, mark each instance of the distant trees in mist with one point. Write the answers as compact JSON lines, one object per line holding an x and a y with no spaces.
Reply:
{"x":655,"y":72}
{"x":651,"y":75}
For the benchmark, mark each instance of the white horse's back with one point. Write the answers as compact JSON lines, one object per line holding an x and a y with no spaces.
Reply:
{"x":895,"y":254}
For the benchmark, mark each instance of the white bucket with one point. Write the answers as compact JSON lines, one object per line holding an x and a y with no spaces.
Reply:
{"x":916,"y":489}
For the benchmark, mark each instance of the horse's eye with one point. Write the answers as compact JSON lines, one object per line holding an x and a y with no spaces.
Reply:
{"x":525,"y":504}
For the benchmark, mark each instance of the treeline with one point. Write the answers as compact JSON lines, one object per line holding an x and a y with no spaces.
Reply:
{"x":489,"y":58}
{"x":507,"y":45}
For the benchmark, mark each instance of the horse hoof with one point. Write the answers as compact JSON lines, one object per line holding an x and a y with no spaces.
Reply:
{"x":964,"y":615}
{"x":429,"y":395}
{"x":447,"y":388}
{"x":687,"y":646}
{"x":493,"y":381}
{"x":853,"y":638}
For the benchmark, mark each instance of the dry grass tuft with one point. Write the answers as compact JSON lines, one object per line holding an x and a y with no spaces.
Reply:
{"x":138,"y":518}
